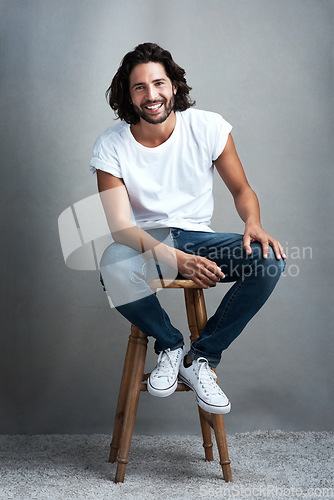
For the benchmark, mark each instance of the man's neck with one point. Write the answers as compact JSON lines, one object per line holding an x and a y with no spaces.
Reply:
{"x":152,"y":135}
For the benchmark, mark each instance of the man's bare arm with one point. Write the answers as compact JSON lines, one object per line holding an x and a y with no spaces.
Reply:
{"x":231,"y":171}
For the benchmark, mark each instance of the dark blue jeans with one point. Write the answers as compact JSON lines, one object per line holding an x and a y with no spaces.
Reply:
{"x":125,"y":274}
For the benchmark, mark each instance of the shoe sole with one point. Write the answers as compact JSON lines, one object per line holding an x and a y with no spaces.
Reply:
{"x":217,"y":410}
{"x":161,"y":393}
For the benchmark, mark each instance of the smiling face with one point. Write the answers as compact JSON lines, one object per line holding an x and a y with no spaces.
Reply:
{"x":151,"y":92}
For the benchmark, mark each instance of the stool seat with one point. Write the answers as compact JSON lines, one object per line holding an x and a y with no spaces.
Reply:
{"x":134,"y":381}
{"x":177,"y":283}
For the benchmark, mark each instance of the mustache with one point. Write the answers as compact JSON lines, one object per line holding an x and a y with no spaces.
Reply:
{"x":153,"y":102}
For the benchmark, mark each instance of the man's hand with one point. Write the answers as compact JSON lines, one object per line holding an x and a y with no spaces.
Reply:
{"x":202,"y":271}
{"x":255,"y":232}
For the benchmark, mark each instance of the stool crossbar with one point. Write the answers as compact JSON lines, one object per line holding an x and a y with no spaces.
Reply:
{"x":134,"y":381}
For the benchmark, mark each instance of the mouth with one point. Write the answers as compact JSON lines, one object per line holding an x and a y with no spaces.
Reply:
{"x":153,"y":108}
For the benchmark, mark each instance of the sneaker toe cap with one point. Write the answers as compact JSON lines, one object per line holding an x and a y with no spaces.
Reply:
{"x":161,"y":384}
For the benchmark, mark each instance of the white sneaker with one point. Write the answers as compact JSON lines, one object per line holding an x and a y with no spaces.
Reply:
{"x":163,"y":379}
{"x":203,"y":381}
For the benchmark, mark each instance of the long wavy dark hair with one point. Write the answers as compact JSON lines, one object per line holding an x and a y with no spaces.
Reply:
{"x":118,"y":94}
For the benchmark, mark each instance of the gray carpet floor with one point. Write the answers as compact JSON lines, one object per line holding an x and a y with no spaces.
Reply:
{"x":265,"y":464}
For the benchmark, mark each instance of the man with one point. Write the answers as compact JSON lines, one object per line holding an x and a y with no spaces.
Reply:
{"x":155,"y":174}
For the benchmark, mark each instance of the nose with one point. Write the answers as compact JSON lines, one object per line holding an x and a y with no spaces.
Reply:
{"x":151,"y":93}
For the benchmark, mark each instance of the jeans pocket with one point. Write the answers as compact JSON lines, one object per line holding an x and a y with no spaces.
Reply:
{"x":175,"y":233}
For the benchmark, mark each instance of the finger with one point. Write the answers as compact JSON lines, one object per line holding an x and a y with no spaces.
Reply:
{"x":277,"y":249}
{"x":204,"y":279}
{"x":208,"y":281}
{"x":209,"y":266}
{"x":282,"y":251}
{"x":193,"y":272}
{"x":246,"y":243}
{"x":199,"y":282}
{"x":218,"y":272}
{"x":265,"y":249}
{"x":214,"y":273}
{"x":205,"y":276}
{"x":210,"y":276}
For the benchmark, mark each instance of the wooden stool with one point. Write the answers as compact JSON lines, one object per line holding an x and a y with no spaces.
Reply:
{"x":134,"y":380}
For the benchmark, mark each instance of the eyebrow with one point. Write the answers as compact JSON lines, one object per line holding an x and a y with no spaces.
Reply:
{"x":154,"y":81}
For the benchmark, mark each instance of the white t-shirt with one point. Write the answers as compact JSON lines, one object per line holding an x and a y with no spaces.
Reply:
{"x":171,"y":184}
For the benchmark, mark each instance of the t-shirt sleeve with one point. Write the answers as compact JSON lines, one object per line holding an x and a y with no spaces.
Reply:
{"x":105,"y":158}
{"x":223,"y":128}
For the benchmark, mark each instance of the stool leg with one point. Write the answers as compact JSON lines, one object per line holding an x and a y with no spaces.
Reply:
{"x":136,"y":376}
{"x":200,"y":309}
{"x":196,"y":314}
{"x":219,"y":429}
{"x":122,"y":396}
{"x":206,"y":433}
{"x":190,"y":300}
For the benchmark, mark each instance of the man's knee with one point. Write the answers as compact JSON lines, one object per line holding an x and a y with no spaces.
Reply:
{"x":270,"y":267}
{"x":118,"y":263}
{"x":116,"y":253}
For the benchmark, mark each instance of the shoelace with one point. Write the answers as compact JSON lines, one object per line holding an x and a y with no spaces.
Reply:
{"x":167,"y":360}
{"x":207,"y":378}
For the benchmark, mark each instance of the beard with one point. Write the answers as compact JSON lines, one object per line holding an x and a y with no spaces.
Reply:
{"x":168,"y":108}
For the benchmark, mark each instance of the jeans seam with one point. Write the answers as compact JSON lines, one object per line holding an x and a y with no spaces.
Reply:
{"x":228,"y":306}
{"x":243,"y":281}
{"x":164,"y":321}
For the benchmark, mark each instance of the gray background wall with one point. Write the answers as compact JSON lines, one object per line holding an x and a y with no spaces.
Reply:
{"x":267,"y":67}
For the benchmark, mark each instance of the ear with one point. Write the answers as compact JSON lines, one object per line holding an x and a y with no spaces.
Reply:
{"x":174,"y":89}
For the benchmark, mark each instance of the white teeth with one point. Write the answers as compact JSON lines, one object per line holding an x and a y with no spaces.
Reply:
{"x":156,"y":106}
